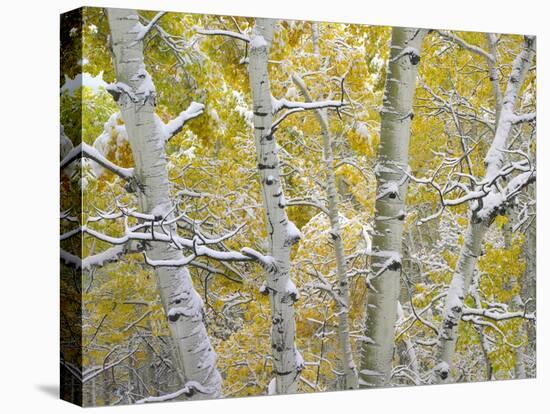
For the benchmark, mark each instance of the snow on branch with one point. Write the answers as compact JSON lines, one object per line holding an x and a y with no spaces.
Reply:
{"x":495,"y":201}
{"x":144,"y":30}
{"x":70,"y":259}
{"x":308,"y":202}
{"x":228,"y":33}
{"x":95,"y":371}
{"x":278,"y":104}
{"x":492,"y":199}
{"x":267,"y":262}
{"x":198,"y":246}
{"x":327,"y":287}
{"x":184,"y":261}
{"x":188,"y":390}
{"x":116,"y":90}
{"x":276,"y":124}
{"x":175,"y":126}
{"x":497,"y":315}
{"x":412,"y":52}
{"x":530,"y":117}
{"x":107,"y":256}
{"x":392,"y":262}
{"x":87,"y":151}
{"x":520,"y":66}
{"x":461,"y":42}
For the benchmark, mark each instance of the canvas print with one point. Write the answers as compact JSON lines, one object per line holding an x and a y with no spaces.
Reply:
{"x":259,"y":206}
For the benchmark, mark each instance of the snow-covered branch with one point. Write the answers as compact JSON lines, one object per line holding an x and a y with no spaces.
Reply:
{"x":144,"y":30}
{"x":279,"y":104}
{"x":175,"y":126}
{"x":118,"y":89}
{"x":520,"y":66}
{"x":267,"y":262}
{"x":85,"y":150}
{"x":196,"y":245}
{"x":307,"y":202}
{"x":95,"y":371}
{"x":495,"y":201}
{"x":188,"y":390}
{"x":497,"y":315}
{"x":228,"y":33}
{"x":461,"y":42}
{"x":109,"y":255}
{"x":492,"y":199}
{"x":530,"y":117}
{"x":184,"y":261}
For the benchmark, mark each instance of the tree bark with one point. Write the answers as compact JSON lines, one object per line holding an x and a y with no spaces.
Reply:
{"x":393,"y":162}
{"x":182,"y":304}
{"x":282,"y":233}
{"x":478,"y":226}
{"x":348,"y":365}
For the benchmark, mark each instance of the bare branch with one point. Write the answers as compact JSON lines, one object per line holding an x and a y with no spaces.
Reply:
{"x":146,"y":29}
{"x":461,"y":42}
{"x":85,"y":150}
{"x":228,"y":33}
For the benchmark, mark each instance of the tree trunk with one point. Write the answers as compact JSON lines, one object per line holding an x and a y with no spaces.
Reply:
{"x":182,"y":304}
{"x":282,"y":233}
{"x":407,"y":350}
{"x":478,"y":226}
{"x":348,"y":365}
{"x":393,"y":161}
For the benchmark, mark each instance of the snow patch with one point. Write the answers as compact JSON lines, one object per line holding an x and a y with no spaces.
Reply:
{"x":257,"y":41}
{"x":292,"y":231}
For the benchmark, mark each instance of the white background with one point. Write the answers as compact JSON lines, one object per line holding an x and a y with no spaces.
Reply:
{"x":29,"y":145}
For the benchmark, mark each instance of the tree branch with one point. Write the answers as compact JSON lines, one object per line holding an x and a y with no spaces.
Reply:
{"x":228,"y":33}
{"x":176,"y":125}
{"x":146,"y":29}
{"x":85,"y":150}
{"x":461,"y":42}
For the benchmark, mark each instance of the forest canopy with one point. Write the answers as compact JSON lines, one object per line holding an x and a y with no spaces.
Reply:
{"x":259,"y":206}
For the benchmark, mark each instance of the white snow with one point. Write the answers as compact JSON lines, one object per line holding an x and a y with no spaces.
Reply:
{"x":278,"y":104}
{"x":146,"y":86}
{"x":195,"y":109}
{"x":111,"y":129}
{"x":101,"y":258}
{"x":391,"y":187}
{"x":291,"y":93}
{"x":300,"y":363}
{"x":257,"y":42}
{"x":243,"y":109}
{"x":491,"y":203}
{"x":292,"y":231}
{"x":161,"y":210}
{"x":291,"y":289}
{"x":455,"y":296}
{"x":411,"y":51}
{"x":272,"y":387}
{"x":363,"y":130}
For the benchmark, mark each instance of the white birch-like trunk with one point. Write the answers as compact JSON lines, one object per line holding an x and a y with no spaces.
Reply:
{"x":348,"y":365}
{"x":393,"y":162}
{"x":182,"y":304}
{"x":493,"y":74}
{"x":282,"y":233}
{"x":478,"y":226}
{"x":408,"y":351}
